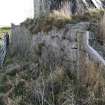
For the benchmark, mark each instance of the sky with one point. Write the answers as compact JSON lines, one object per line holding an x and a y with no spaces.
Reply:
{"x":15,"y":11}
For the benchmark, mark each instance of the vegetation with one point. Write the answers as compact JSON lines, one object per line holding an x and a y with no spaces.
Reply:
{"x":26,"y":84}
{"x":46,"y":23}
{"x":26,"y":80}
{"x":3,"y":30}
{"x":59,"y":20}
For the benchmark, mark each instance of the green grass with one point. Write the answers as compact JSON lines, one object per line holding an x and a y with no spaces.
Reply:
{"x":3,"y":30}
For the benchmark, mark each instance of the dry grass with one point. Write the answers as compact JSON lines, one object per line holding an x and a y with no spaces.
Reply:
{"x":53,"y":86}
{"x":46,"y":23}
{"x":91,"y":77}
{"x":94,"y":77}
{"x":91,"y":16}
{"x":53,"y":19}
{"x":59,"y":19}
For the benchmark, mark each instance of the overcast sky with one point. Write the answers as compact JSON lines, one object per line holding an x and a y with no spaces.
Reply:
{"x":15,"y":11}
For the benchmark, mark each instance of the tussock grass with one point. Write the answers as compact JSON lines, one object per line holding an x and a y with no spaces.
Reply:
{"x":59,"y":19}
{"x":46,"y":23}
{"x":91,"y":16}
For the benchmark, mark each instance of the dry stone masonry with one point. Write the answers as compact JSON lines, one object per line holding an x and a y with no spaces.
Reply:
{"x":64,"y":47}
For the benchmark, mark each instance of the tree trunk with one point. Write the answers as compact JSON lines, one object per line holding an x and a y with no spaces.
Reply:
{"x":42,"y":7}
{"x":68,"y":7}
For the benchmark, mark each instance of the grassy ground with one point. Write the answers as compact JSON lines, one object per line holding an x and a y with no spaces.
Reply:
{"x":3,"y":30}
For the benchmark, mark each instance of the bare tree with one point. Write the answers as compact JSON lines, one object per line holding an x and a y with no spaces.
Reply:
{"x":67,"y":6}
{"x":45,"y":6}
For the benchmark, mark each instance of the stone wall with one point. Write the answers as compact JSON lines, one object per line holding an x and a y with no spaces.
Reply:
{"x":20,"y":41}
{"x":61,"y":47}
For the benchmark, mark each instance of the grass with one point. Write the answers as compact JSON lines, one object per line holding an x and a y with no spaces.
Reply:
{"x":55,"y":85}
{"x":59,"y":19}
{"x":3,"y":30}
{"x":92,"y":16}
{"x":46,"y":23}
